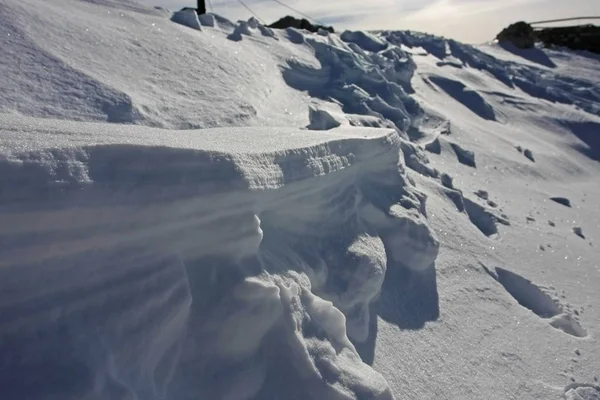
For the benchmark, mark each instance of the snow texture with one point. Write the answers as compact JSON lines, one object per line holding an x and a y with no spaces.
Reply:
{"x":237,"y":212}
{"x":282,"y":233}
{"x":187,"y":17}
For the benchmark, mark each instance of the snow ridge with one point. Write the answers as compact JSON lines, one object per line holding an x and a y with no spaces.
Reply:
{"x":231,"y":211}
{"x":270,"y":252}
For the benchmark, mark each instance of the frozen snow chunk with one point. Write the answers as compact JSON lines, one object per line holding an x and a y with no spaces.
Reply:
{"x":450,"y":61}
{"x":408,"y":238}
{"x":294,"y":35}
{"x":412,"y":243}
{"x":354,"y":280}
{"x":376,"y":91}
{"x":321,"y":354}
{"x":447,"y":180}
{"x":579,"y":232}
{"x":364,"y":40}
{"x":187,"y":17}
{"x":371,"y":121}
{"x":464,"y":156}
{"x":267,"y":32}
{"x":417,"y":160}
{"x":322,"y":119}
{"x":244,"y":28}
{"x":434,"y":146}
{"x":529,"y":154}
{"x":582,"y":391}
{"x":323,"y":32}
{"x":482,"y":218}
{"x":207,"y":20}
{"x":561,"y":200}
{"x":482,"y":194}
{"x":253,"y":23}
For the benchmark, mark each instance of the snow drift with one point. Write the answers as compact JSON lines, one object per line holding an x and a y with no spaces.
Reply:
{"x":222,"y":254}
{"x":236,"y":212}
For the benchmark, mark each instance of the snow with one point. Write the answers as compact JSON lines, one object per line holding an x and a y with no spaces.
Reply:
{"x":237,"y":212}
{"x":187,"y":17}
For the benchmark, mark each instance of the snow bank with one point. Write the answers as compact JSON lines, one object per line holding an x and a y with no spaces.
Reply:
{"x":366,"y":82}
{"x":105,"y":61}
{"x":244,"y":260}
{"x":232,"y":257}
{"x":188,"y":17}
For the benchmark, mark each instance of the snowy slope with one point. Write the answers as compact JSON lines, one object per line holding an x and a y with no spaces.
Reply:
{"x":235,"y":212}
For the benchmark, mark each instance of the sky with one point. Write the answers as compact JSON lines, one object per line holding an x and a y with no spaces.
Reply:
{"x":470,"y":21}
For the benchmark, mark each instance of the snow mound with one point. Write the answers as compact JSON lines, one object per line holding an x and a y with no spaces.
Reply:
{"x":239,"y":212}
{"x":107,"y":61}
{"x":535,"y":79}
{"x":364,"y":40}
{"x":370,"y":83}
{"x":231,"y":257}
{"x":188,"y":17}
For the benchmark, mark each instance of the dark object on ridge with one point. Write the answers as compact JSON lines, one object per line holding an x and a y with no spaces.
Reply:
{"x":291,"y":22}
{"x":520,"y":34}
{"x":583,"y":37}
{"x":524,"y":36}
{"x":201,"y":9}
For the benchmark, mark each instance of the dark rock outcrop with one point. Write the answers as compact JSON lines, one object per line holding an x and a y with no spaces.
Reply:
{"x":583,"y":37}
{"x":291,"y":22}
{"x":524,"y":36}
{"x":520,"y":34}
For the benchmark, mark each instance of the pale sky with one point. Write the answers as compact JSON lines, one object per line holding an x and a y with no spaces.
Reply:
{"x":471,"y":21}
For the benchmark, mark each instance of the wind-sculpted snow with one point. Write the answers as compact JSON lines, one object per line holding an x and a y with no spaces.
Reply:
{"x":535,"y":80}
{"x":182,"y":264}
{"x":98,"y":61}
{"x":365,"y":76}
{"x":239,"y":212}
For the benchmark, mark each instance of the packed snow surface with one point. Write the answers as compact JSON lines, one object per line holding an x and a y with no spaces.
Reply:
{"x":192,"y":208}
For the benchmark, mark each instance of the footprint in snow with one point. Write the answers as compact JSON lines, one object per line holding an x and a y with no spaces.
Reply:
{"x":530,"y":296}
